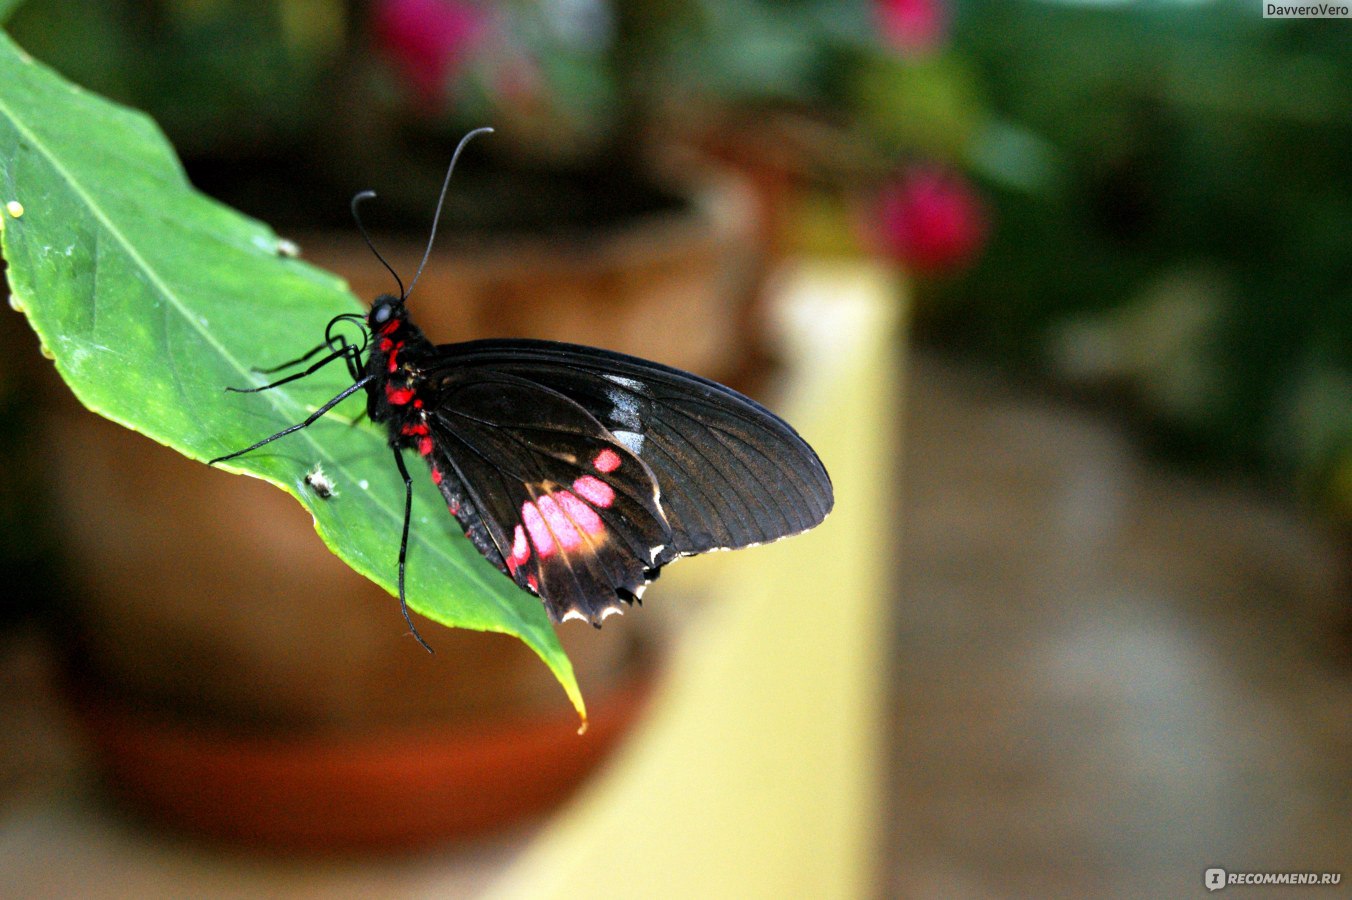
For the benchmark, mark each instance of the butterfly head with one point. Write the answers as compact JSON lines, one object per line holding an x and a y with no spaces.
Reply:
{"x":387,"y":313}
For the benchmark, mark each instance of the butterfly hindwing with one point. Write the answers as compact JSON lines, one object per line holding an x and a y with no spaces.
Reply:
{"x":564,"y":507}
{"x":730,"y":472}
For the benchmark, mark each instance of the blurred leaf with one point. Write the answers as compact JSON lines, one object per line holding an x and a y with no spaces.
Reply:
{"x":929,"y":105}
{"x":151,"y":298}
{"x":748,"y":52}
{"x":7,"y":7}
{"x":1016,"y":157}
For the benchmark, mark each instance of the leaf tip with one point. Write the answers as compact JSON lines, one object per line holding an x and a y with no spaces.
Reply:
{"x":574,"y":692}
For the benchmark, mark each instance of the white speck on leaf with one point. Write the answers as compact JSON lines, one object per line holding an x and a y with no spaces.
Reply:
{"x":364,"y":484}
{"x":321,"y":483}
{"x":14,"y":208}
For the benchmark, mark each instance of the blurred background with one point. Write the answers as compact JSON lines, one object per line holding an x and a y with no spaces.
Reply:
{"x":1117,"y":626}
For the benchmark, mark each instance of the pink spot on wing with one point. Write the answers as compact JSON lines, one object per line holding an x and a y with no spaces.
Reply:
{"x":520,"y":550}
{"x":397,"y":395}
{"x":594,"y":491}
{"x":559,"y":522}
{"x":533,"y":582}
{"x":582,"y":515}
{"x":425,"y":446}
{"x":436,"y":475}
{"x":539,"y":533}
{"x":606,"y":461}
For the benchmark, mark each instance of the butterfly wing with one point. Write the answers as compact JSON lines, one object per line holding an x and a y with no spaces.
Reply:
{"x":729,"y":472}
{"x":545,"y":491}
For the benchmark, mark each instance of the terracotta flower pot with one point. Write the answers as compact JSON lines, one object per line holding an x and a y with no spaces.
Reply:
{"x":243,"y":682}
{"x":669,"y":286}
{"x":389,"y":788}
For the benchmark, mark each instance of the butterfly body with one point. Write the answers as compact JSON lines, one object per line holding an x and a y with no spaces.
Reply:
{"x":578,"y":472}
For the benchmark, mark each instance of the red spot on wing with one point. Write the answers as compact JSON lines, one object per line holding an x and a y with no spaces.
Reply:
{"x":436,"y":475}
{"x":606,"y":461}
{"x":414,"y":428}
{"x":385,"y":345}
{"x":394,"y":355}
{"x":594,"y":491}
{"x":417,"y":403}
{"x":389,"y":327}
{"x":396,"y":394}
{"x":425,"y":446}
{"x":533,"y":582}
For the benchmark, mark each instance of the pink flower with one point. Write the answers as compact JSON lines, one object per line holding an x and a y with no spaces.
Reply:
{"x":930,"y":220}
{"x":427,"y":40}
{"x":911,"y":26}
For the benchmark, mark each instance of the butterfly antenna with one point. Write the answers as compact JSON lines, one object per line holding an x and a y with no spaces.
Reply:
{"x":441,"y":200}
{"x":356,"y":201}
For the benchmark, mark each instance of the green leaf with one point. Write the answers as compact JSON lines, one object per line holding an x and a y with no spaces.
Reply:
{"x":151,"y":298}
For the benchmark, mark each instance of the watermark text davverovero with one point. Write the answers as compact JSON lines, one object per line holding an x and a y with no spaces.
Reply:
{"x":1306,"y":10}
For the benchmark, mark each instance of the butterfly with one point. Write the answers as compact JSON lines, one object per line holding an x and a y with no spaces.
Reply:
{"x":578,"y":472}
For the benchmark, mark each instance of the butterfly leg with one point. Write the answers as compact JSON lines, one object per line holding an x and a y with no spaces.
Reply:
{"x":348,"y":351}
{"x":310,"y":420}
{"x":403,"y":546}
{"x":272,"y":370}
{"x":332,"y":341}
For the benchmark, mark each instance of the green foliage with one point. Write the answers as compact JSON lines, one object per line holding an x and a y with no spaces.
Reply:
{"x":1202,"y":180}
{"x":221,"y":77}
{"x":928,"y":105}
{"x":151,"y":298}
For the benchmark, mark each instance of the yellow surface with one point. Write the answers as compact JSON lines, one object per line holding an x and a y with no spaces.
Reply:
{"x":759,"y":769}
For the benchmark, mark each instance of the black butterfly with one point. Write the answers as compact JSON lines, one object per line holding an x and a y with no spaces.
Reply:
{"x":578,"y":472}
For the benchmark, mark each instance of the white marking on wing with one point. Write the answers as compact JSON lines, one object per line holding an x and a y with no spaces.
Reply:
{"x":632,"y":440}
{"x":623,"y":382}
{"x":624,"y":410}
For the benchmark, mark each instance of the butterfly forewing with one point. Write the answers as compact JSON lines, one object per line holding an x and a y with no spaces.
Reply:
{"x":730,"y":472}
{"x":571,"y":513}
